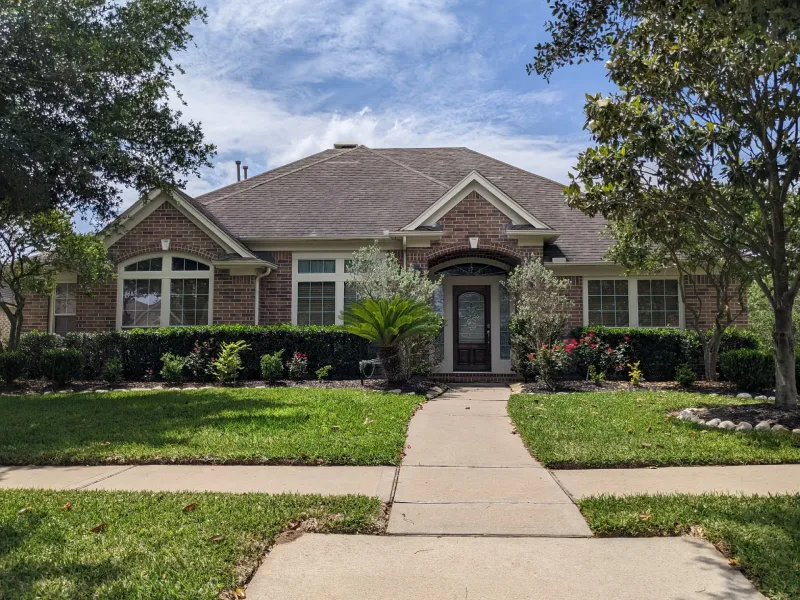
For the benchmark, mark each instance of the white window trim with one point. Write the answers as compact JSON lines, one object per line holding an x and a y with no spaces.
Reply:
{"x":633,"y":299}
{"x":339,"y":278}
{"x":166,"y":275}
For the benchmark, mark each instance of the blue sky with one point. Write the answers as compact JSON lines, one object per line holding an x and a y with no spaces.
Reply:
{"x":275,"y":80}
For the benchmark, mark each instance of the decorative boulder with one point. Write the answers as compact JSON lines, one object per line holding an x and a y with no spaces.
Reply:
{"x":686,"y":415}
{"x":395,"y":391}
{"x":771,"y":398}
{"x":763,"y":426}
{"x":779,"y":427}
{"x":796,"y":431}
{"x":713,"y":422}
{"x":762,"y":398}
{"x":727,"y":425}
{"x":744,"y":426}
{"x":744,"y":395}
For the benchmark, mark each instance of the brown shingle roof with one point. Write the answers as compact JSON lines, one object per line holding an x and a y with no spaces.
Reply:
{"x":364,"y":192}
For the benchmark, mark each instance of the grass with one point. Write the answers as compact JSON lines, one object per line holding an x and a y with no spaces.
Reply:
{"x":150,"y":546}
{"x":760,"y":535}
{"x":631,"y":429}
{"x":233,"y":426}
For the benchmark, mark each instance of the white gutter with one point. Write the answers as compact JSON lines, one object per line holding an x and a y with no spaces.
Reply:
{"x":257,"y":305}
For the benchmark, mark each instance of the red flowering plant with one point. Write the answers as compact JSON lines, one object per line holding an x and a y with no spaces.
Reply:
{"x":594,"y":357}
{"x":198,"y":362}
{"x":551,"y":363}
{"x":297,"y":366}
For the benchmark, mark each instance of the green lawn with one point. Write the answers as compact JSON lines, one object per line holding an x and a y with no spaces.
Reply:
{"x":151,"y":546}
{"x":236,"y":426}
{"x":760,"y":534}
{"x":630,"y":429}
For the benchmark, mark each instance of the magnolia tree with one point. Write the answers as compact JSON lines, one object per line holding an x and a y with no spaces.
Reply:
{"x":704,"y":131}
{"x":33,"y":250}
{"x":541,"y":309}
{"x":380,"y":276}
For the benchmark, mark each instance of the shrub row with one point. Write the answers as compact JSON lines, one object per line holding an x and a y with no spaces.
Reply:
{"x":752,"y":370}
{"x":662,"y":351}
{"x":140,"y":350}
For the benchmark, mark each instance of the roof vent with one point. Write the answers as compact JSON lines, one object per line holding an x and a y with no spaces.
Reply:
{"x":345,"y":145}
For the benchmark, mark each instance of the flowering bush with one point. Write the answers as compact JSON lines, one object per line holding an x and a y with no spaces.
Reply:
{"x":297,"y":366}
{"x":592,"y":355}
{"x":551,"y":364}
{"x":198,"y":363}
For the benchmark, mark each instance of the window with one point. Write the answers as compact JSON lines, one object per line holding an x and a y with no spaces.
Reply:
{"x":608,"y":302}
{"x":316,"y":266}
{"x":166,"y":290}
{"x":65,"y":308}
{"x":505,"y":316}
{"x":316,"y":303}
{"x":658,"y":303}
{"x":350,"y":295}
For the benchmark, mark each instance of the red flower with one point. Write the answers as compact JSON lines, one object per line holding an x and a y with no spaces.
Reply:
{"x":213,"y":359}
{"x":196,"y":349}
{"x":544,"y":345}
{"x":531,"y":356}
{"x":610,"y":351}
{"x":627,"y":338}
{"x":593,"y":346}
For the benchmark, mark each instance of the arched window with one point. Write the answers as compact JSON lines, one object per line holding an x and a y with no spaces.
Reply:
{"x":165,"y":290}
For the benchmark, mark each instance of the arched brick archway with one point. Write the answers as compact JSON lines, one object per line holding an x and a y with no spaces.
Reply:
{"x":467,"y":254}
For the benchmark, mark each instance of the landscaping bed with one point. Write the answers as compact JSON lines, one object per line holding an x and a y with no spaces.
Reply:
{"x":128,"y":545}
{"x":752,"y":413}
{"x":635,"y":429}
{"x":287,"y":425}
{"x":583,"y":385}
{"x":759,"y":535}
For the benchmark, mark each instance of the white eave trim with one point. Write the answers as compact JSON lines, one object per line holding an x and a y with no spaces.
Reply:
{"x":145,"y":206}
{"x":548,"y":234}
{"x":494,"y":195}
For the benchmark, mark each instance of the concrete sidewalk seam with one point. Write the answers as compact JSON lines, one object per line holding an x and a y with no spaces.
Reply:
{"x":86,"y":483}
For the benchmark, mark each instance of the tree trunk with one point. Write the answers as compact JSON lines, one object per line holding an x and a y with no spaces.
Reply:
{"x":15,"y":322}
{"x":783,"y":336}
{"x":392,"y":361}
{"x":711,"y":344}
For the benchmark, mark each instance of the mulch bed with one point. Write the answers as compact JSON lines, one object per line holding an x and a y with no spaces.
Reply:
{"x":580,"y":385}
{"x":36,"y":386}
{"x":753,"y":414}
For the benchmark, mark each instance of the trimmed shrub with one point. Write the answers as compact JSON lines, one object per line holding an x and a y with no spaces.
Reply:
{"x":12,"y":365}
{"x":662,"y":351}
{"x":272,"y":366}
{"x":172,"y":369}
{"x":228,"y":365}
{"x":751,"y":370}
{"x":33,"y":345}
{"x":61,"y":365}
{"x":113,"y":371}
{"x":685,"y":376}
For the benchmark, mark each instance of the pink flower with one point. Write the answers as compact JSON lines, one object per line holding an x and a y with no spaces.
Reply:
{"x":213,"y":359}
{"x":610,"y":351}
{"x":196,"y":349}
{"x":593,"y":346}
{"x":627,"y":338}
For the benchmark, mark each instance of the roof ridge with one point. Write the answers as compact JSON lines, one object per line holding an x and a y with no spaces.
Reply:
{"x":502,"y":162}
{"x":293,"y":171}
{"x":405,"y":166}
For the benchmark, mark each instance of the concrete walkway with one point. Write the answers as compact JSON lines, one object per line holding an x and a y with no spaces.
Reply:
{"x":465,"y":473}
{"x":749,"y":479}
{"x":368,"y":481}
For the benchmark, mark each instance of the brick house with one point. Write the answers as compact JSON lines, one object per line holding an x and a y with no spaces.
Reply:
{"x":274,"y":248}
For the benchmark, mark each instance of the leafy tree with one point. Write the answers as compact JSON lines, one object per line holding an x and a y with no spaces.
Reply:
{"x":380,"y":275}
{"x":541,"y":309}
{"x":85,"y":87}
{"x":652,"y":246}
{"x":705,"y":130}
{"x":33,"y":250}
{"x":388,"y":323}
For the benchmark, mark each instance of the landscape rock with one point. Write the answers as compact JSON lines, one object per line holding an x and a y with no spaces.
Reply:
{"x":796,"y":431}
{"x":687,"y":415}
{"x":729,"y":425}
{"x":763,"y":426}
{"x":744,"y":395}
{"x":430,"y":395}
{"x":762,"y":398}
{"x":713,"y":423}
{"x":744,"y":426}
{"x":779,"y":427}
{"x":771,"y":398}
{"x":395,"y":391}
{"x":437,"y":390}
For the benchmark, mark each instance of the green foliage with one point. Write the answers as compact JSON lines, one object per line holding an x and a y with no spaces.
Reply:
{"x":685,"y":376}
{"x":113,"y":371}
{"x":635,"y":373}
{"x":297,"y":366}
{"x":550,"y":364}
{"x":141,"y":349}
{"x":198,"y":363}
{"x":61,"y":365}
{"x":662,"y":351}
{"x":12,"y":365}
{"x":751,"y":370}
{"x":87,"y":92}
{"x":322,"y":372}
{"x":227,"y":367}
{"x":33,"y":345}
{"x":761,"y":318}
{"x":388,"y":323}
{"x":272,"y":366}
{"x":596,"y":374}
{"x":172,"y":367}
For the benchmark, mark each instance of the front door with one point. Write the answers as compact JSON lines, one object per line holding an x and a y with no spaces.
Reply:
{"x":472,"y":328}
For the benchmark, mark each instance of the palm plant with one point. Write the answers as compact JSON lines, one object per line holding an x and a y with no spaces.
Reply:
{"x":387,"y":323}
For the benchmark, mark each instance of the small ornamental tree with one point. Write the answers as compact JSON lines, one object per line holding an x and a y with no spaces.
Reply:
{"x":704,"y":130}
{"x":33,"y":250}
{"x":378,"y":276}
{"x":541,"y":307}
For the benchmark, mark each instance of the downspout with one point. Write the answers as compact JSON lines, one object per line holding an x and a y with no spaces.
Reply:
{"x":257,"y":305}
{"x":404,"y":252}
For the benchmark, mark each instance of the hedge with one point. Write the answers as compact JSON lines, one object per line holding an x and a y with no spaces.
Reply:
{"x":141,"y":349}
{"x":662,"y":351}
{"x":752,"y":370}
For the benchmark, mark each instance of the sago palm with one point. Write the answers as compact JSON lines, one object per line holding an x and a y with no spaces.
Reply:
{"x":387,"y":323}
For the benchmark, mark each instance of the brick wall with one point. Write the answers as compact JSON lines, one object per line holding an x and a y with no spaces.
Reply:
{"x":276,"y":292}
{"x":5,"y":327}
{"x":234,"y":299}
{"x":575,"y":293}
{"x":708,"y":305}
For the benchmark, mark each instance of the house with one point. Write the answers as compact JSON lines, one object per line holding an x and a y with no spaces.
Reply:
{"x":274,"y":249}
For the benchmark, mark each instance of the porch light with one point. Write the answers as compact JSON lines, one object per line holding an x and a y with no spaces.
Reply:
{"x":473,"y":243}
{"x":165,"y":244}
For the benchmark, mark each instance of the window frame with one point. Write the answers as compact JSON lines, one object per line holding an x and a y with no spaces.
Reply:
{"x":339,"y":278}
{"x":51,"y":317}
{"x":633,"y":299}
{"x":166,"y":275}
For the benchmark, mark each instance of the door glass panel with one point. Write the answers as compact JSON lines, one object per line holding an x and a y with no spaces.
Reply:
{"x":471,"y":318}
